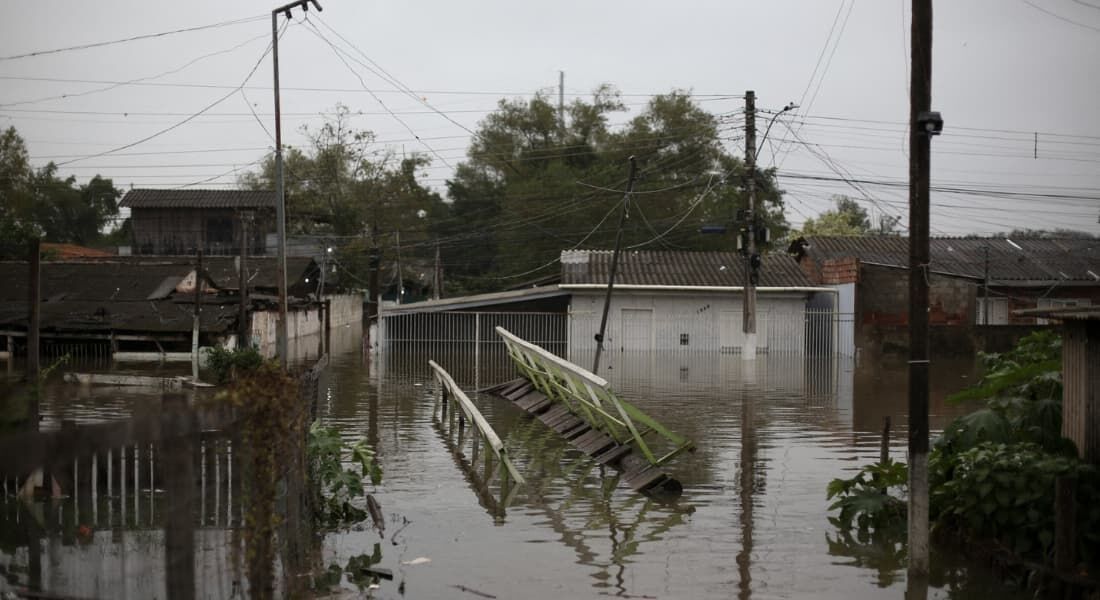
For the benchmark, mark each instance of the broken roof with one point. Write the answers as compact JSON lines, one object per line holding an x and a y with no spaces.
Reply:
{"x":192,"y":198}
{"x":677,"y":269}
{"x":1011,"y":261}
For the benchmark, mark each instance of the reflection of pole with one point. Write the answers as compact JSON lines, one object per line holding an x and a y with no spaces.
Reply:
{"x":919,"y":158}
{"x":614,"y":264}
{"x":747,"y":484}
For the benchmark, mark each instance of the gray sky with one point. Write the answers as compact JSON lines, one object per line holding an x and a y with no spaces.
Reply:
{"x":1003,"y":70}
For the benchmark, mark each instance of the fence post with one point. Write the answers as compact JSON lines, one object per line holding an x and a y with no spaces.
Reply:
{"x":1065,"y":523}
{"x":884,"y":449}
{"x":178,"y":476}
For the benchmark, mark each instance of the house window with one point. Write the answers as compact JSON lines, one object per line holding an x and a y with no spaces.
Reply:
{"x":997,"y":309}
{"x":219,"y":234}
{"x":684,"y":339}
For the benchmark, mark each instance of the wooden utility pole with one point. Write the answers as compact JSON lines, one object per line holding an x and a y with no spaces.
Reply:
{"x":280,"y":195}
{"x":243,"y":333}
{"x":34,"y":294}
{"x":920,"y":137}
{"x":748,"y":348}
{"x":614,"y":263}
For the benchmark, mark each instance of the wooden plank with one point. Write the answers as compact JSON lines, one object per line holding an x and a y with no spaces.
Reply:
{"x":566,"y":424}
{"x":645,"y":479}
{"x":554,"y":413}
{"x":564,"y":417}
{"x":518,"y":392}
{"x":611,"y":457}
{"x":529,"y":399}
{"x":577,"y":431}
{"x":541,"y":406}
{"x":593,"y":442}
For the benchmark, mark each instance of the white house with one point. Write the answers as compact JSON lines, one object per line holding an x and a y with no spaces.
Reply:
{"x":684,"y":301}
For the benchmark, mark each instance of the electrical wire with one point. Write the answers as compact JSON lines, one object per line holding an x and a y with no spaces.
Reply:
{"x":134,"y":38}
{"x":184,"y":121}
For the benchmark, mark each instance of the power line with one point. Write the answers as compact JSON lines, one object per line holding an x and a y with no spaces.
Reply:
{"x":1060,"y":17}
{"x":184,"y":121}
{"x":134,"y":38}
{"x":112,"y":86}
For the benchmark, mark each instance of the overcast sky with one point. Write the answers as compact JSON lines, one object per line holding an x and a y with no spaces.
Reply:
{"x":1017,"y":82}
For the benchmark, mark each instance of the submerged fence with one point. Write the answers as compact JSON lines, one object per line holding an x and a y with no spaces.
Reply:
{"x":811,"y":332}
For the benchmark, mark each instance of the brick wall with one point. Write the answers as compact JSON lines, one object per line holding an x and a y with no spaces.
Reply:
{"x":840,"y":270}
{"x":883,"y":298}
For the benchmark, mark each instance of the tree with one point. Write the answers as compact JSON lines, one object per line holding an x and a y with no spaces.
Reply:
{"x":344,"y":190}
{"x":534,"y":184}
{"x":847,"y":219}
{"x":39,"y":203}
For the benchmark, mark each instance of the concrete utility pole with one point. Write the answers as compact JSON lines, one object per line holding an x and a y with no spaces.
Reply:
{"x":195,"y":319}
{"x":614,"y":263}
{"x":748,"y":349}
{"x":437,"y":275}
{"x":280,"y":197}
{"x":243,"y":334}
{"x":561,"y":99}
{"x":922,"y":125}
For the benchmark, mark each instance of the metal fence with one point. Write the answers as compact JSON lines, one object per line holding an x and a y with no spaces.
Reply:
{"x":810,"y":332}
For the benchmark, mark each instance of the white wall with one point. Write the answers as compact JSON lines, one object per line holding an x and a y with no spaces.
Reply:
{"x":646,"y":321}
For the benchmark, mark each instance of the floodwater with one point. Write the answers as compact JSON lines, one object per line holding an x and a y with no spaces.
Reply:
{"x":752,"y":521}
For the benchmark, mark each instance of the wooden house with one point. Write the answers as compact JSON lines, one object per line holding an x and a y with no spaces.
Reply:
{"x":183,"y":221}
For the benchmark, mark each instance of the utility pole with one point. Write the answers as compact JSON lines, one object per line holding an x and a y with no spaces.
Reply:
{"x":195,"y":319}
{"x":400,"y":275}
{"x":437,"y":275}
{"x":748,"y":321}
{"x":561,"y":99}
{"x":280,"y":197}
{"x":922,"y":125}
{"x":985,"y":289}
{"x":34,"y":305}
{"x":243,"y":334}
{"x":614,"y":263}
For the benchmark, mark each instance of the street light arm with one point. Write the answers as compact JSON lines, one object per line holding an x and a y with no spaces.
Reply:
{"x":786,"y":108}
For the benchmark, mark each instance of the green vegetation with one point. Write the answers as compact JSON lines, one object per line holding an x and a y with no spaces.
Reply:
{"x":339,"y":488}
{"x":992,"y":472}
{"x":227,"y":364}
{"x":535,"y":181}
{"x":39,"y":203}
{"x":848,"y":218}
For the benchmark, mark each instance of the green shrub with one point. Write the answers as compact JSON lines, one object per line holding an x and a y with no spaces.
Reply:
{"x":339,"y":487}
{"x":1006,"y":492}
{"x":866,"y":499}
{"x":225,"y":364}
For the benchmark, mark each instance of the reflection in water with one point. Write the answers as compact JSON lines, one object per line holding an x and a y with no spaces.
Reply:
{"x":771,"y":434}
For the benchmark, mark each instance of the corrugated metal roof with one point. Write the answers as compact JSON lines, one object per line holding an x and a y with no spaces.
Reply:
{"x":681,"y":269}
{"x":191,"y":198}
{"x":132,"y":293}
{"x":1010,"y":260}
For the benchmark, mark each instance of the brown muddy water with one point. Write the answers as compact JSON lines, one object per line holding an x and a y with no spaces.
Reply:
{"x":751,"y":523}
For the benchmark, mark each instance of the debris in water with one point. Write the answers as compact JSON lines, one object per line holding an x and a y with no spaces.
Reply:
{"x":473,"y":591}
{"x":376,"y":513}
{"x":420,"y":560}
